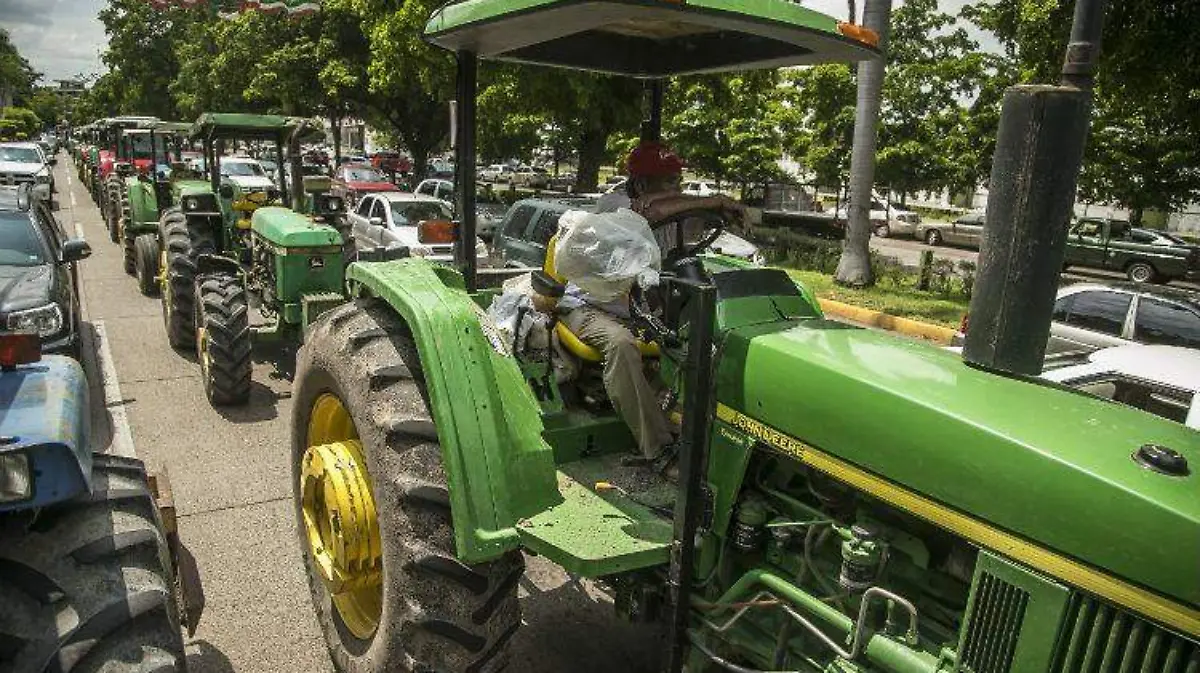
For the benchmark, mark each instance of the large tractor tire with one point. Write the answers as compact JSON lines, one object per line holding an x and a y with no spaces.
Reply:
{"x":183,"y":243}
{"x":223,"y":338}
{"x":374,"y":510}
{"x":87,"y":585}
{"x":111,"y":207}
{"x":146,"y":254}
{"x":127,"y":236}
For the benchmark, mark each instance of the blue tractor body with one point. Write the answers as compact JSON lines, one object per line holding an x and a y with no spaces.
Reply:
{"x":44,"y":419}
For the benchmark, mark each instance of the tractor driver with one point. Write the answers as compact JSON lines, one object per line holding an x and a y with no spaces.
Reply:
{"x":653,"y":191}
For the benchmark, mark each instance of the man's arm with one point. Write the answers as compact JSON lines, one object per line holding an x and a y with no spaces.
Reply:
{"x":658,"y":207}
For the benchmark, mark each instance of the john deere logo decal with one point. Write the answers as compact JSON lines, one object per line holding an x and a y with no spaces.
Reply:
{"x":315,"y":263}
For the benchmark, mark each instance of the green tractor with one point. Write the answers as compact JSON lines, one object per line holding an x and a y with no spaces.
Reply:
{"x":845,"y":502}
{"x":114,"y":160}
{"x":144,"y":195}
{"x":228,"y":245}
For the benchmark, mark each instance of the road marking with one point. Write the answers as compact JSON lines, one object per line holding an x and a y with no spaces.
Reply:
{"x":122,"y":438}
{"x":74,"y":203}
{"x":79,"y":230}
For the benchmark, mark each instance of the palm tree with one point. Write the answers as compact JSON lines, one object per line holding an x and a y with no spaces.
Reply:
{"x":854,"y":266}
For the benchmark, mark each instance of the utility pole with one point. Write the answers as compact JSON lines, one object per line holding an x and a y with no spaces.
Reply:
{"x":854,"y":266}
{"x":1039,"y":152}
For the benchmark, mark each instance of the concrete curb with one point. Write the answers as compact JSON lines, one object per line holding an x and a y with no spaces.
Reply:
{"x":905,"y":326}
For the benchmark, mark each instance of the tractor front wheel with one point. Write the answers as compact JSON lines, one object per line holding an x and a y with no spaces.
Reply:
{"x":223,"y":338}
{"x":374,"y":511}
{"x":87,"y":585}
{"x":128,"y":253}
{"x":112,"y":206}
{"x":145,"y":252}
{"x":183,"y":243}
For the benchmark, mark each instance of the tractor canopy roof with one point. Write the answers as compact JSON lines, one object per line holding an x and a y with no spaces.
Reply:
{"x":649,"y":38}
{"x":127,"y":122}
{"x":250,"y":126}
{"x":163,"y":128}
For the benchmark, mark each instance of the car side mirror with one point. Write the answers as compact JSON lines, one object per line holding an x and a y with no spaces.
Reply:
{"x":53,"y":161}
{"x":226,"y":191}
{"x":375,"y":221}
{"x":74,"y":250}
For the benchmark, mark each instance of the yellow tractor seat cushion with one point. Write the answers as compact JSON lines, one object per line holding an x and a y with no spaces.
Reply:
{"x":583,"y":351}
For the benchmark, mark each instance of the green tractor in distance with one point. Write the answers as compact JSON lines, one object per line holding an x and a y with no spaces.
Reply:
{"x":227,"y":246}
{"x":116,"y":159}
{"x":846,"y":501}
{"x":145,"y":194}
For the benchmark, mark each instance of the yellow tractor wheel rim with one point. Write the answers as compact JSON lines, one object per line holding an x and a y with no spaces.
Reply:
{"x":163,"y":285}
{"x":340,"y":522}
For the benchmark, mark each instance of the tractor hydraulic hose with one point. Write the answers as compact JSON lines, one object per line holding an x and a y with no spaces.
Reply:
{"x":879,"y":649}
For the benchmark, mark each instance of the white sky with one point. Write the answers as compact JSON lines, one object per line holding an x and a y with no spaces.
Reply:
{"x":63,"y":38}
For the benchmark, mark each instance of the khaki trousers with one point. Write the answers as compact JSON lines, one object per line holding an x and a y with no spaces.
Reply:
{"x":624,"y":379}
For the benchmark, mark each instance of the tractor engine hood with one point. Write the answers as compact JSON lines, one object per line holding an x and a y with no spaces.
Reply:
{"x":288,"y":229}
{"x":1051,"y":467}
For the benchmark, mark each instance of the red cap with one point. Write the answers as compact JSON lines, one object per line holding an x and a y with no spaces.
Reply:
{"x":652,"y":159}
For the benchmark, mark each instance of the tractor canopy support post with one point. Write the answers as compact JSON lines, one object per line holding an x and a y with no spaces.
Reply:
{"x":652,"y":127}
{"x":689,"y":505}
{"x":464,"y":166}
{"x":286,"y":189}
{"x":1039,"y":152}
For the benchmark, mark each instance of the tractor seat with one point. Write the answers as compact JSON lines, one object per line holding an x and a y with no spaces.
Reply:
{"x":574,"y":345}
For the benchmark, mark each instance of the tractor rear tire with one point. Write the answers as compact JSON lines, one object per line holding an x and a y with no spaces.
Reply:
{"x":128,"y":254}
{"x":223,"y":338}
{"x":112,"y":204}
{"x":145,"y":252}
{"x":87,"y":585}
{"x":438,"y":613}
{"x":184,"y":242}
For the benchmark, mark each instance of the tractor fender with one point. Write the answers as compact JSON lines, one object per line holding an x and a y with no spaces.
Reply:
{"x":499,"y":469}
{"x":143,"y":205}
{"x":208,"y":264}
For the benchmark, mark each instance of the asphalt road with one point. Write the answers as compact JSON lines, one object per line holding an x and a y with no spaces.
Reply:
{"x":230,"y":473}
{"x":908,"y":251}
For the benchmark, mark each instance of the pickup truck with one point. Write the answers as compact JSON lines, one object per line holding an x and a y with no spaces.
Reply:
{"x":1145,"y":256}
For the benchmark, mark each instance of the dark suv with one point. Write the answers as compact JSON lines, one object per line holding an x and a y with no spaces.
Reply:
{"x":522,"y":236}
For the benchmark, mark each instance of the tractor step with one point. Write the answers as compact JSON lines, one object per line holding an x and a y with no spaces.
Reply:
{"x":621,"y":526}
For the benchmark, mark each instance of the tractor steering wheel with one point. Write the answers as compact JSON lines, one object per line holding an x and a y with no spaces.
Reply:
{"x":673,"y":234}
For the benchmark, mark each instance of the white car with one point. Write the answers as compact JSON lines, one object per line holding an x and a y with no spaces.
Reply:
{"x":700,"y":188}
{"x":24,"y":163}
{"x":1163,"y":380}
{"x":529,"y":176}
{"x":390,"y":219}
{"x":438,"y":188}
{"x":497,"y":173}
{"x":246,"y":173}
{"x":887,"y":219}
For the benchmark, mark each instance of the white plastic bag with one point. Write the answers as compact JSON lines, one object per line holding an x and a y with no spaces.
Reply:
{"x":604,"y":253}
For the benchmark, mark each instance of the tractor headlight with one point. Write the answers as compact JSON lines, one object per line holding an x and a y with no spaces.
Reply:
{"x":15,"y":482}
{"x":196,"y":203}
{"x":45,"y":320}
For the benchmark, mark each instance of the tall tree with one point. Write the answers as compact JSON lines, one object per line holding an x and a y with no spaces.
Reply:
{"x":1145,"y":147}
{"x":17,"y":77}
{"x":854,"y":266}
{"x":141,"y":56}
{"x":816,"y":118}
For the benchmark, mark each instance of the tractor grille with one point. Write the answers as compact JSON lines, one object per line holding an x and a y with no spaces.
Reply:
{"x":1098,"y":638}
{"x":994,"y":626}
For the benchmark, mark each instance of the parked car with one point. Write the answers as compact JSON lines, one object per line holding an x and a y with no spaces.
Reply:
{"x":351,"y":181}
{"x":25,"y":163}
{"x":489,"y":207}
{"x":966,"y":231}
{"x":497,"y":173}
{"x":699,"y":188}
{"x":390,"y":219}
{"x":1143,"y":255}
{"x":563,"y":182}
{"x":529,"y":176}
{"x":1163,"y":380}
{"x":39,"y":284}
{"x":390,"y":162}
{"x":887,"y":219}
{"x":523,"y":235}
{"x":246,"y":173}
{"x":438,"y":189}
{"x":1090,"y":316}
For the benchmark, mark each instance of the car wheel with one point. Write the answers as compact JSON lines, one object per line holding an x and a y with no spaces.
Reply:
{"x":1140,"y":272}
{"x":882,"y":231}
{"x":933,"y":237}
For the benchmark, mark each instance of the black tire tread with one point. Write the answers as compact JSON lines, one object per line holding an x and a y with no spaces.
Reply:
{"x":440,"y":614}
{"x":87,"y":587}
{"x":146,"y":264}
{"x":128,"y":256}
{"x":184,"y":242}
{"x":224,"y":313}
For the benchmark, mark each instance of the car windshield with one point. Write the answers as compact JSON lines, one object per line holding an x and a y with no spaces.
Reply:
{"x":410,"y":213}
{"x":20,"y":244}
{"x":241,"y":168}
{"x":363,"y":175}
{"x":24,"y":155}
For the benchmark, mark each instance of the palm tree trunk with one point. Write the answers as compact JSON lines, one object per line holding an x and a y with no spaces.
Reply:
{"x":854,"y":267}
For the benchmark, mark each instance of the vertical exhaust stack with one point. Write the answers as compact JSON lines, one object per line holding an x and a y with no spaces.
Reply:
{"x":1039,"y":151}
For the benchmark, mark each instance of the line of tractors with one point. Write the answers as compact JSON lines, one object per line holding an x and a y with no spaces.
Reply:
{"x":209,"y":247}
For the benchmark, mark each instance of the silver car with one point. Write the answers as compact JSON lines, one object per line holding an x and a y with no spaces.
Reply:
{"x":1090,"y":316}
{"x":966,"y":231}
